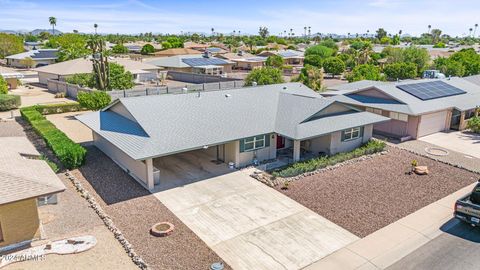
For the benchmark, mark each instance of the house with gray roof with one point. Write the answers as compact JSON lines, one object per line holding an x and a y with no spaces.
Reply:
{"x":194,"y":63}
{"x":290,"y":57}
{"x":40,"y":57}
{"x":417,"y":107}
{"x":238,"y":127}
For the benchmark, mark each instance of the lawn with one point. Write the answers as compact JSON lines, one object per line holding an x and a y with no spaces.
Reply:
{"x":368,"y":195}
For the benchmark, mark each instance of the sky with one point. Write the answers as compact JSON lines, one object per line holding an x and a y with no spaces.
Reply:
{"x":174,"y":16}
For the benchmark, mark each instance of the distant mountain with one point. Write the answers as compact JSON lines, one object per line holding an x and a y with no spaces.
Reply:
{"x":36,"y":32}
{"x":8,"y":31}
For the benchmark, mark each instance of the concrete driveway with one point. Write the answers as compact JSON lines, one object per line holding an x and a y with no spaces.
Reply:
{"x":252,"y":226}
{"x":465,"y":142}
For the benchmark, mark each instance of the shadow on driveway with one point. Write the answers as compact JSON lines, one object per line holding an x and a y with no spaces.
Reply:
{"x":462,"y":230}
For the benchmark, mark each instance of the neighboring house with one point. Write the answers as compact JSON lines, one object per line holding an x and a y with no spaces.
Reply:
{"x":290,"y":57}
{"x":199,"y":64}
{"x":25,"y":182}
{"x":417,"y":108}
{"x":141,"y":71}
{"x":239,"y":126}
{"x":216,"y":51}
{"x":176,"y":51}
{"x":40,"y":57}
{"x":195,"y":46}
{"x":244,"y":60}
{"x":12,"y":78}
{"x":31,"y":45}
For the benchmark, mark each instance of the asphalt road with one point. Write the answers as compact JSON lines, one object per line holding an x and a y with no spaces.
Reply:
{"x":458,"y":247}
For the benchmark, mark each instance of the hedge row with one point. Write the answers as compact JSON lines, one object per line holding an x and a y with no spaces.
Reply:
{"x":371,"y":147}
{"x":58,"y":108}
{"x":70,"y":154}
{"x":8,"y":102}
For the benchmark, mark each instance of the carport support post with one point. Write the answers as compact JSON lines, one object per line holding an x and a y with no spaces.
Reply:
{"x":296,"y":150}
{"x":150,"y":180}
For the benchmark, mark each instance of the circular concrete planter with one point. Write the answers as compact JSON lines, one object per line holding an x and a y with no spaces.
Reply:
{"x":162,"y":229}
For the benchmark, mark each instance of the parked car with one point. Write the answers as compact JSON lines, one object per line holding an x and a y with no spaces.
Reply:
{"x":433,"y":74}
{"x":467,"y":208}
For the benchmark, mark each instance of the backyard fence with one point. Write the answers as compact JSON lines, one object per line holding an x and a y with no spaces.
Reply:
{"x":71,"y":90}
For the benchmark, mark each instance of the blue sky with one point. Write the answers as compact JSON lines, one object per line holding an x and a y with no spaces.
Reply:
{"x":174,"y":16}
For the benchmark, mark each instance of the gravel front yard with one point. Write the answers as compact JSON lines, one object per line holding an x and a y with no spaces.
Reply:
{"x":134,"y":210}
{"x":368,"y":195}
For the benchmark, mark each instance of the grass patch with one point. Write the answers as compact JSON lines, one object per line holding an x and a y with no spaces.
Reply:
{"x":371,"y":147}
{"x":70,"y":154}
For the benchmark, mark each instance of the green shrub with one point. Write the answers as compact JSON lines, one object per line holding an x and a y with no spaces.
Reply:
{"x":94,"y":100}
{"x":3,"y":86}
{"x":474,"y":124}
{"x":58,"y":108}
{"x":70,"y":154}
{"x":372,"y":146}
{"x":8,"y":102}
{"x":50,"y":163}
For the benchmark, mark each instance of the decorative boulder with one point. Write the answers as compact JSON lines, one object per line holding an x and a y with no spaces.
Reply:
{"x":421,"y":170}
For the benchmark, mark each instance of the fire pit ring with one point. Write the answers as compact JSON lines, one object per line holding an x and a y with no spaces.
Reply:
{"x":162,"y":229}
{"x":436,"y":151}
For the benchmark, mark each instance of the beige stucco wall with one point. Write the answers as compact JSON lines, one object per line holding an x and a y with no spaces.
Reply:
{"x":137,"y":169}
{"x":19,"y":222}
{"x":245,"y":158}
{"x":248,"y":65}
{"x":320,"y":144}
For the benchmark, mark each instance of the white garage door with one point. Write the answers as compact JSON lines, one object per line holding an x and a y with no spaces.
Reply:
{"x":432,"y":123}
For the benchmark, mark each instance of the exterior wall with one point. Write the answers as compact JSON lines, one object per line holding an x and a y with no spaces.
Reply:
{"x":19,"y":221}
{"x":137,"y":169}
{"x":232,"y":152}
{"x":248,"y":65}
{"x":320,"y":144}
{"x":334,"y":108}
{"x":412,"y":126}
{"x":12,"y":83}
{"x":18,"y":63}
{"x":246,"y":158}
{"x":120,"y":109}
{"x":338,"y":146}
{"x":44,"y":77}
{"x":394,"y":127}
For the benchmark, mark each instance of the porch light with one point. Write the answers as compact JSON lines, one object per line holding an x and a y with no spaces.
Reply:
{"x":205,"y":147}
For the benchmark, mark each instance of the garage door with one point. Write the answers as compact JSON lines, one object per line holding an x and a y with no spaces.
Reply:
{"x":432,"y":123}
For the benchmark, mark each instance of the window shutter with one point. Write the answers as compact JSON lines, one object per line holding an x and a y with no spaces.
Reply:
{"x":242,"y":146}
{"x":267,"y":140}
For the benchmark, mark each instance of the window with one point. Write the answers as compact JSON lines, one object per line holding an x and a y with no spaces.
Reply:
{"x":373,"y":110}
{"x":254,"y":143}
{"x":399,"y":116}
{"x":352,"y":134}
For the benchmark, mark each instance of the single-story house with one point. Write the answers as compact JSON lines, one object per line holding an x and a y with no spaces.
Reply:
{"x":239,"y":127}
{"x":195,"y":46}
{"x":40,"y":57}
{"x":12,"y":78}
{"x":244,"y":60}
{"x":194,"y":63}
{"x":216,"y":51}
{"x":290,"y":57}
{"x":141,"y":71}
{"x":417,"y":107}
{"x":26,"y":182}
{"x":176,"y":51}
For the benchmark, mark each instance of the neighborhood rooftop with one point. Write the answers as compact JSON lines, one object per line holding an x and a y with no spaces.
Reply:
{"x":41,"y":54}
{"x":168,"y":124}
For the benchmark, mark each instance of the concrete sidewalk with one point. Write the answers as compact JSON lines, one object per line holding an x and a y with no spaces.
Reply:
{"x":393,"y":242}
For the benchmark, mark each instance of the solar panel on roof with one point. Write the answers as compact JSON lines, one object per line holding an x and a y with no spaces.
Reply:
{"x":430,"y":90}
{"x":195,"y":62}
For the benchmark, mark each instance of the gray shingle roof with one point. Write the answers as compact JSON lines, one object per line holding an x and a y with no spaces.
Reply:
{"x":407,"y":103}
{"x":169,"y":124}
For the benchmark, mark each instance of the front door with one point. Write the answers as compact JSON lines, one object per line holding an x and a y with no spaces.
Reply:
{"x":280,"y":142}
{"x":455,"y":122}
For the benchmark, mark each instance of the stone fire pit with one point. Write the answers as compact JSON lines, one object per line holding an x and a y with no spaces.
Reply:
{"x":162,"y":229}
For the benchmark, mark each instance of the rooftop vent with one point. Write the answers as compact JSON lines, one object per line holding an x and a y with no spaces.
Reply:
{"x":206,"y":54}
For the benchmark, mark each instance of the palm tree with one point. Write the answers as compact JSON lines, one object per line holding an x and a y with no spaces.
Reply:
{"x":368,"y":31}
{"x":95,"y":26}
{"x":400,"y":32}
{"x":53,"y":23}
{"x":213,"y":30}
{"x":239,"y":32}
{"x":305,"y":31}
{"x":474,"y":31}
{"x":429,"y":28}
{"x":309,"y":31}
{"x":470,"y":29}
{"x":348,"y":35}
{"x":284,"y":33}
{"x":234,"y":32}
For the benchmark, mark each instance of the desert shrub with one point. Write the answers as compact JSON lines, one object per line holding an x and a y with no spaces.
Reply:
{"x":474,"y":124}
{"x":95,"y":100}
{"x":8,"y":102}
{"x":371,"y":147}
{"x":70,"y":154}
{"x":3,"y":86}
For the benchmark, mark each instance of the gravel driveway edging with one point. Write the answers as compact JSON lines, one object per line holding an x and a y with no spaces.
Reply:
{"x":441,"y":160}
{"x":267,"y":178}
{"x":107,"y":221}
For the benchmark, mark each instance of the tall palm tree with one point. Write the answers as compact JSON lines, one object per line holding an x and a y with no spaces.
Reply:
{"x":95,"y":26}
{"x":400,"y":32}
{"x":284,"y":33}
{"x":475,"y":31}
{"x":305,"y":30}
{"x":470,"y":29}
{"x":213,"y":30}
{"x":234,"y":32}
{"x":309,"y":31}
{"x":239,"y":32}
{"x":348,"y":35}
{"x":53,"y":23}
{"x":429,"y":28}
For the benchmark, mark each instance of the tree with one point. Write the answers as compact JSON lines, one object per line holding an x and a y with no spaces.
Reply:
{"x":439,"y":45}
{"x":467,"y":58}
{"x":94,"y":100}
{"x":381,"y":33}
{"x":396,"y":40}
{"x":334,"y":66}
{"x":313,"y":60}
{"x":72,"y":46}
{"x":10,"y":44}
{"x":101,"y":68}
{"x":53,"y":23}
{"x":263,"y":31}
{"x":449,"y":67}
{"x":82,"y":79}
{"x":274,"y":61}
{"x":166,"y":45}
{"x":400,"y":71}
{"x":322,"y":51}
{"x":3,"y":86}
{"x":119,"y":49}
{"x":365,"y":72}
{"x":436,"y":33}
{"x":418,"y":56}
{"x":264,"y":76}
{"x":44,"y":35}
{"x":95,"y":26}
{"x":119,"y":78}
{"x":385,"y":40}
{"x":27,"y":62}
{"x":147,"y":49}
{"x":312,"y":77}
{"x":31,"y":38}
